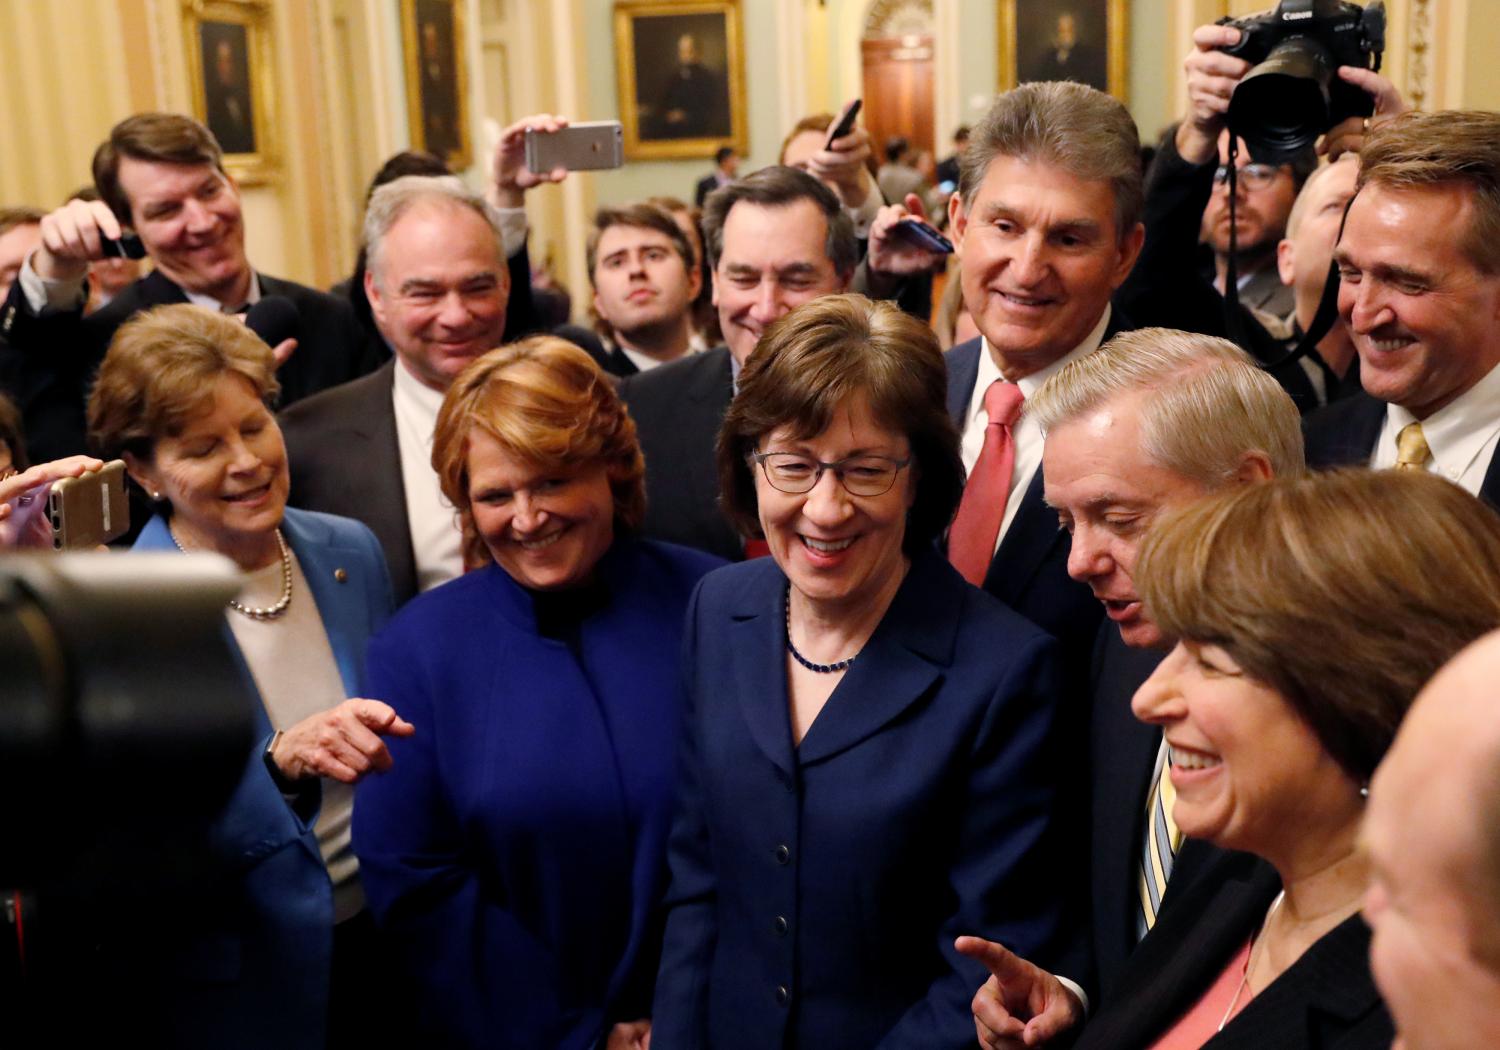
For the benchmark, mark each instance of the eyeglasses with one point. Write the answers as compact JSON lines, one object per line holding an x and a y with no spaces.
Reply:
{"x":860,"y":475}
{"x":1254,"y":176}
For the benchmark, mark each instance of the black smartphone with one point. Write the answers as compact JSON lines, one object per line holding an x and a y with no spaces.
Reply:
{"x":923,"y":235}
{"x":845,"y":124}
{"x":127,"y":247}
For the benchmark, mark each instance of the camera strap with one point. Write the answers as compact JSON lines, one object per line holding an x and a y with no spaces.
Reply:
{"x":1239,"y":325}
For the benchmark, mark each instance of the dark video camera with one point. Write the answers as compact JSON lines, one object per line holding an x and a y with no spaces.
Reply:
{"x":1294,"y":94}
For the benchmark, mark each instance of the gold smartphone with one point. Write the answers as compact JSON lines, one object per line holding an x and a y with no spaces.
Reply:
{"x":90,"y":509}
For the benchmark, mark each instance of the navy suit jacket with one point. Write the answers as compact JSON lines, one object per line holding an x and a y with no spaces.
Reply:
{"x":246,"y":964}
{"x":1326,"y":1000}
{"x":1344,"y":435}
{"x":817,"y":888}
{"x":514,"y":853}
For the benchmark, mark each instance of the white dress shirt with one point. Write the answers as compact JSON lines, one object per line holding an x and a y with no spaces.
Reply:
{"x":1026,"y":434}
{"x":1462,"y":435}
{"x":436,"y":539}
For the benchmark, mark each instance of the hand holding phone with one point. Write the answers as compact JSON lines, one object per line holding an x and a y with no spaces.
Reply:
{"x":845,"y":123}
{"x":591,"y":146}
{"x":923,"y":235}
{"x":90,"y":509}
{"x":24,"y":500}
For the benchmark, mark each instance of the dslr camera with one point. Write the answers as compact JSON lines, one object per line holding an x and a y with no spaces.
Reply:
{"x":1294,"y":94}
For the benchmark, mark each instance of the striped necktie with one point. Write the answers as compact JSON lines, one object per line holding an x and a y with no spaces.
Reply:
{"x":1162,"y":841}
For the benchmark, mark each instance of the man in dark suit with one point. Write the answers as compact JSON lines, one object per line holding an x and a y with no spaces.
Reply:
{"x":645,"y":280}
{"x":162,"y":175}
{"x":1150,"y":422}
{"x":726,"y":167}
{"x":775,"y":240}
{"x":1420,"y":294}
{"x":1044,"y":242}
{"x":437,"y":282}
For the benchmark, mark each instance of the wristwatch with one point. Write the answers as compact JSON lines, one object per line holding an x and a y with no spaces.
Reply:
{"x":283,"y":783}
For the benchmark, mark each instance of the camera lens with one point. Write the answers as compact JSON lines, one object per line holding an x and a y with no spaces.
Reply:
{"x":1282,"y":105}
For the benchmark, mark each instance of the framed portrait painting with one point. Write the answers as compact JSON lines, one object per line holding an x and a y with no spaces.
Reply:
{"x":681,"y":72}
{"x":1082,"y":40}
{"x":229,"y":62}
{"x":437,"y":81}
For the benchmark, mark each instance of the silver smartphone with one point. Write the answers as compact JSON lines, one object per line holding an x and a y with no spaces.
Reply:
{"x":578,"y":147}
{"x":90,"y":509}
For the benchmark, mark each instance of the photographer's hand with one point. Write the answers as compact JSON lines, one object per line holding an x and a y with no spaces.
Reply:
{"x":1211,"y":79}
{"x":1349,"y":135}
{"x":72,"y":238}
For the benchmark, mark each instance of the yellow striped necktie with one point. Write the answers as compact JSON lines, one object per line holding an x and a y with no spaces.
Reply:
{"x":1162,"y":841}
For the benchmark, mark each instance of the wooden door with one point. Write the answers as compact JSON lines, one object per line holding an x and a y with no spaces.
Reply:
{"x":898,"y":79}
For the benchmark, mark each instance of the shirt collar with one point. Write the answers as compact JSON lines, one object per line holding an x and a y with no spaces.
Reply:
{"x":1458,"y":432}
{"x":989,"y":371}
{"x":198,"y":299}
{"x":416,"y":394}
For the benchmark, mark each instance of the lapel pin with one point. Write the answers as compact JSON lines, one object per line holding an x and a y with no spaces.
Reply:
{"x":340,"y":575}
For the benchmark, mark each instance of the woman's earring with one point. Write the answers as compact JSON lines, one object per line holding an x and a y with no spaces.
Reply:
{"x":1364,"y":791}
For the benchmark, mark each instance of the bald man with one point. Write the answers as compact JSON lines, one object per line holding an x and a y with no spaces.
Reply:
{"x":1433,"y":834}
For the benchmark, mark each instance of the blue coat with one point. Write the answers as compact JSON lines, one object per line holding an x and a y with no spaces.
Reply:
{"x":514,"y":853}
{"x":816,"y":890}
{"x":254,"y":973}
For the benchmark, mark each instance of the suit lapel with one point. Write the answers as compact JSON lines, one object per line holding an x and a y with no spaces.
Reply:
{"x":1182,"y":954}
{"x":759,"y":638}
{"x":963,"y":373}
{"x":341,"y":604}
{"x":1326,"y":992}
{"x":1031,"y":536}
{"x":903,"y":660}
{"x":156,"y":289}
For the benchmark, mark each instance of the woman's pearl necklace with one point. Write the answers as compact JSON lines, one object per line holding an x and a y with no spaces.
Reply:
{"x":269,"y":612}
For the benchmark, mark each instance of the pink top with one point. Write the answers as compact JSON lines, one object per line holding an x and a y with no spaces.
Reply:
{"x":1213,"y":1010}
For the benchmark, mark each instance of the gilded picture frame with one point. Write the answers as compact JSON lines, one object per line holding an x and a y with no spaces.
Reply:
{"x":437,"y":78}
{"x":680,"y":71}
{"x":1084,"y":40}
{"x":232,"y":80}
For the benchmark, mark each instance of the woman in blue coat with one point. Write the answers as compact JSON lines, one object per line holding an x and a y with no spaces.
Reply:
{"x":263,"y":948}
{"x":514,"y":852}
{"x":866,"y":772}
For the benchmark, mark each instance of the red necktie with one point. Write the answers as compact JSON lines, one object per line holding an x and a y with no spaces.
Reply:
{"x":971,"y":542}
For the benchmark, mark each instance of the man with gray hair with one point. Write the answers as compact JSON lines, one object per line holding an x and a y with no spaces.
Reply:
{"x":1152,"y":421}
{"x":437,"y":282}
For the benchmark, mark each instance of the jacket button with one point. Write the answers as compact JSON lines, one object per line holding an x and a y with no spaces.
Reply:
{"x":782,"y":995}
{"x":779,"y":925}
{"x":783,"y":855}
{"x":340,"y":575}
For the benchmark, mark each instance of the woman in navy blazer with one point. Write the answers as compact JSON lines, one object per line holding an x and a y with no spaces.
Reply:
{"x":866,"y":772}
{"x":515,"y":851}
{"x":245,"y":956}
{"x":1309,"y":612}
